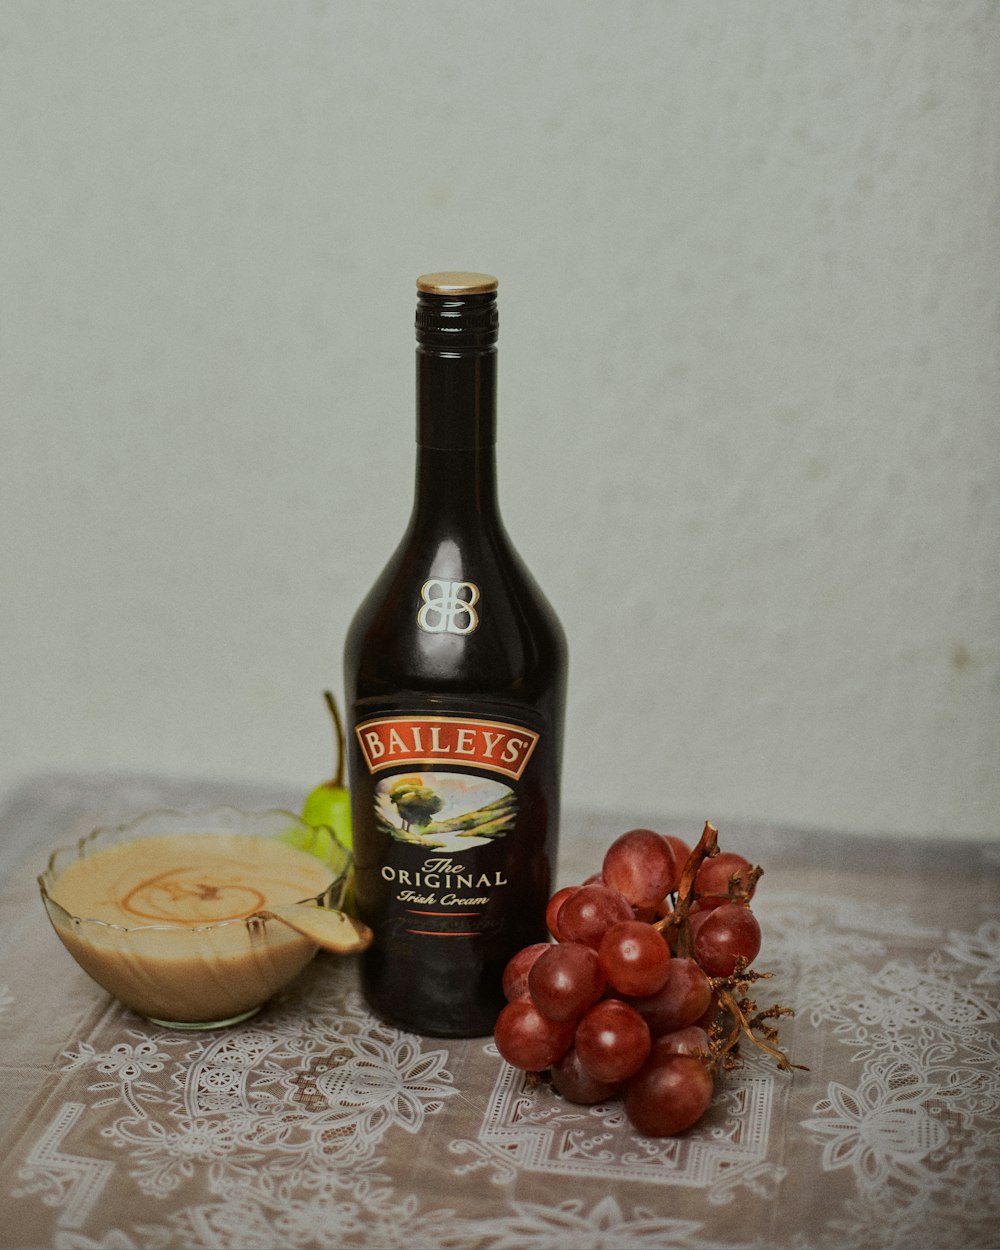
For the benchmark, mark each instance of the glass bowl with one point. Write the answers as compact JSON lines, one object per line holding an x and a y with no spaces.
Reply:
{"x":226,"y":959}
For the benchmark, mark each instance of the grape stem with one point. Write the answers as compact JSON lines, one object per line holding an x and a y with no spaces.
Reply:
{"x":744,"y":1026}
{"x":707,"y":847}
{"x":338,"y":778}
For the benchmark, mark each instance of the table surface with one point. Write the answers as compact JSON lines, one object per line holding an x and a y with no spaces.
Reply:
{"x":314,"y":1125}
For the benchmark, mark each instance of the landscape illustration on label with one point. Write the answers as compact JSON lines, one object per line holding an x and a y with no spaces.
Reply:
{"x":444,"y":811}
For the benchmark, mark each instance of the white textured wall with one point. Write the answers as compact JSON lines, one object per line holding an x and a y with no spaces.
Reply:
{"x":749,"y":384}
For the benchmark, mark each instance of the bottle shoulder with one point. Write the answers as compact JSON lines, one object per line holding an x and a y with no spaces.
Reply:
{"x":456,"y":611}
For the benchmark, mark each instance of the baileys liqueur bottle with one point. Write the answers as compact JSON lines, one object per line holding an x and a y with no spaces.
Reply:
{"x":455,"y":679}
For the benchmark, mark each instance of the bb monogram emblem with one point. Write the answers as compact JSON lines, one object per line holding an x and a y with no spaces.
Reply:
{"x":448,"y":607}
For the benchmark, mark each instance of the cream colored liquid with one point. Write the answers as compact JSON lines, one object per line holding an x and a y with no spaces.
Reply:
{"x":188,"y":973}
{"x":188,"y":878}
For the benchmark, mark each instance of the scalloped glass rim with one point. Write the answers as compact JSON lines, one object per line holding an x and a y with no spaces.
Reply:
{"x":273,"y":822}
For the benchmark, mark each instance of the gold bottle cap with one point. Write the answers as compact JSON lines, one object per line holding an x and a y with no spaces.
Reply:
{"x":456,"y":283}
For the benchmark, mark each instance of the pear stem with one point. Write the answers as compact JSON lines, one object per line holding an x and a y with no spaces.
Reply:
{"x":331,"y":703}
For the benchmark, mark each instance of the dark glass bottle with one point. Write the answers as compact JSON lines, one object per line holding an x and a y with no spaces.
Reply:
{"x":455,"y":680}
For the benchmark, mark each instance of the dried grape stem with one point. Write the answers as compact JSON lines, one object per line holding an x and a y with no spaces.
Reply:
{"x":744,"y":1027}
{"x":753,"y":876}
{"x":708,"y":845}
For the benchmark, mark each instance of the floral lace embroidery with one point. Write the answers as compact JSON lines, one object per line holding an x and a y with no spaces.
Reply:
{"x":314,"y":1096}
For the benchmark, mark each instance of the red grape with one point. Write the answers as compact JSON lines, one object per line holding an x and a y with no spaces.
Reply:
{"x":529,"y":1040}
{"x":725,"y":934}
{"x":634,"y":957}
{"x":515,"y":975}
{"x":697,"y":915}
{"x":708,"y":1016}
{"x":612,"y":1040}
{"x":688,"y":1041}
{"x":589,"y":911}
{"x":574,"y":1082}
{"x":680,"y":1001}
{"x":640,"y":864}
{"x":552,"y":910}
{"x":681,"y":850}
{"x":711,"y":884}
{"x":565,"y":980}
{"x":668,"y":1094}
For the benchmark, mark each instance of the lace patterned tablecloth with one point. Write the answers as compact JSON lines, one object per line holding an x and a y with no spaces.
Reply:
{"x":313,"y":1125}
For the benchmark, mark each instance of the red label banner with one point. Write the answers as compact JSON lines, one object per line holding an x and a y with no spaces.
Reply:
{"x":446,"y":740}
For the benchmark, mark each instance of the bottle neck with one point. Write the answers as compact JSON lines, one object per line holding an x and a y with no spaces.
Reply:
{"x":456,"y":433}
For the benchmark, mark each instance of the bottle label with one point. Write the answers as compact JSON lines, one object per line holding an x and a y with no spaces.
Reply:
{"x":445,"y":798}
{"x":393,"y":741}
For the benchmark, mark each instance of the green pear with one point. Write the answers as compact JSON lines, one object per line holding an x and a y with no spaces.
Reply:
{"x":329,"y":805}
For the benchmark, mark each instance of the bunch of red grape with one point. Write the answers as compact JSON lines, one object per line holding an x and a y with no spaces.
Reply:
{"x":641,"y":995}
